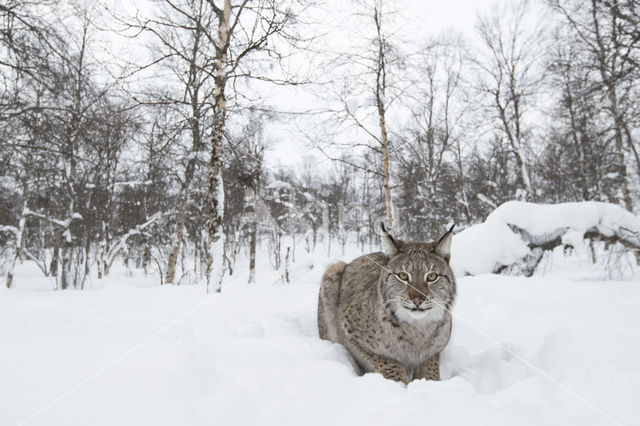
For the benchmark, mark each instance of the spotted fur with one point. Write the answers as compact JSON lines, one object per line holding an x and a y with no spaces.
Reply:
{"x":390,"y":326}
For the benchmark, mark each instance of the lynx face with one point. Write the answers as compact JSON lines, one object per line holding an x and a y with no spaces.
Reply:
{"x":418,"y":284}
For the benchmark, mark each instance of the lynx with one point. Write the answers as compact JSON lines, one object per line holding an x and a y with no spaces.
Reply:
{"x":391,"y":310}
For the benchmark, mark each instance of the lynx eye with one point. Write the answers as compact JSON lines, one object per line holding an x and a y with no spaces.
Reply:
{"x":403,"y":276}
{"x":432,"y":276}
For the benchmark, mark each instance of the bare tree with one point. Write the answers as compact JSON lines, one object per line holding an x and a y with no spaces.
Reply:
{"x":68,"y":131}
{"x":372,"y":83}
{"x":216,"y":45}
{"x":381,"y":104}
{"x":607,"y":33}
{"x":509,"y":74}
{"x":432,"y":146}
{"x":579,"y":159}
{"x":181,"y":48}
{"x":243,"y":29}
{"x":245,"y":175}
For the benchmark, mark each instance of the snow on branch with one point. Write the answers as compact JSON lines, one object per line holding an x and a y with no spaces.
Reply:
{"x":62,"y":223}
{"x":9,"y":229}
{"x":121,"y":243}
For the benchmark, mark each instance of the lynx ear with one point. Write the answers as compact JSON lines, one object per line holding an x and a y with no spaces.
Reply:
{"x":390,"y":244}
{"x":443,"y":246}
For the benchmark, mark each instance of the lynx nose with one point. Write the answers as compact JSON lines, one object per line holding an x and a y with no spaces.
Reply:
{"x":418,"y":300}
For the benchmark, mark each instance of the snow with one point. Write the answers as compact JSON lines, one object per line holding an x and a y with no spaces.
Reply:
{"x":557,"y":348}
{"x":9,"y":229}
{"x":133,"y":183}
{"x":478,"y":249}
{"x":278,"y":184}
{"x":483,"y":247}
{"x":486,"y":200}
{"x":129,"y":352}
{"x":352,"y":105}
{"x":540,"y":219}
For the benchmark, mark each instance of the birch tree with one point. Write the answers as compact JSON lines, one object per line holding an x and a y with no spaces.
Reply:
{"x":218,"y":45}
{"x":607,"y":32}
{"x":432,"y":146}
{"x":243,"y":29}
{"x":579,"y":159}
{"x":509,"y":76}
{"x":382,"y":105}
{"x":181,"y":49}
{"x":67,"y":130}
{"x":372,"y":85}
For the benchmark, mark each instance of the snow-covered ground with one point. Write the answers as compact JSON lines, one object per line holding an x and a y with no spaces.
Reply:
{"x":129,"y":352}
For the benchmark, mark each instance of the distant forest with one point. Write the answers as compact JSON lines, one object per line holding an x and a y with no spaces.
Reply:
{"x":160,"y":162}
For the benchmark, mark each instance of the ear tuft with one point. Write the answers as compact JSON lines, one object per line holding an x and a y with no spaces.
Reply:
{"x":443,"y":246}
{"x":391,"y":245}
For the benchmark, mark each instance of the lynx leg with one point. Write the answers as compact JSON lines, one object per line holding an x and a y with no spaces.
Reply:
{"x":328,"y":302}
{"x":389,"y":368}
{"x":430,"y":370}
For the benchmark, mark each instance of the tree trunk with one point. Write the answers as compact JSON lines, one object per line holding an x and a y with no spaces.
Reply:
{"x":194,"y":124}
{"x":622,"y":167}
{"x":607,"y":70}
{"x":215,"y":250}
{"x":252,"y":253}
{"x":18,"y":245}
{"x":341,"y":229}
{"x":85,"y":261}
{"x":286,"y":265}
{"x":385,"y":184}
{"x":381,"y":85}
{"x":12,"y":266}
{"x":65,"y":266}
{"x":175,"y":250}
{"x":55,"y":256}
{"x":277,"y":255}
{"x":325,"y":224}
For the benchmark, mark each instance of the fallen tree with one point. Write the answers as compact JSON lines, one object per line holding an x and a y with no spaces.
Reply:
{"x":515,"y":237}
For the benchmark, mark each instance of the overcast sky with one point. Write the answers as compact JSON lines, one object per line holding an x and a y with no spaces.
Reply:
{"x":419,"y":20}
{"x":423,"y":19}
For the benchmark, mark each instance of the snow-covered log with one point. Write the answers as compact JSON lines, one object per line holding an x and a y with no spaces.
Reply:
{"x":517,"y":234}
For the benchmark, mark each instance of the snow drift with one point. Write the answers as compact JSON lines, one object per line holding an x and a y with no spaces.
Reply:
{"x":134,"y":353}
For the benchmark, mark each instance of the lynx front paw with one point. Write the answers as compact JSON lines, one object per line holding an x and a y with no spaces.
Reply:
{"x":391,"y":369}
{"x":430,"y":370}
{"x":399,"y":374}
